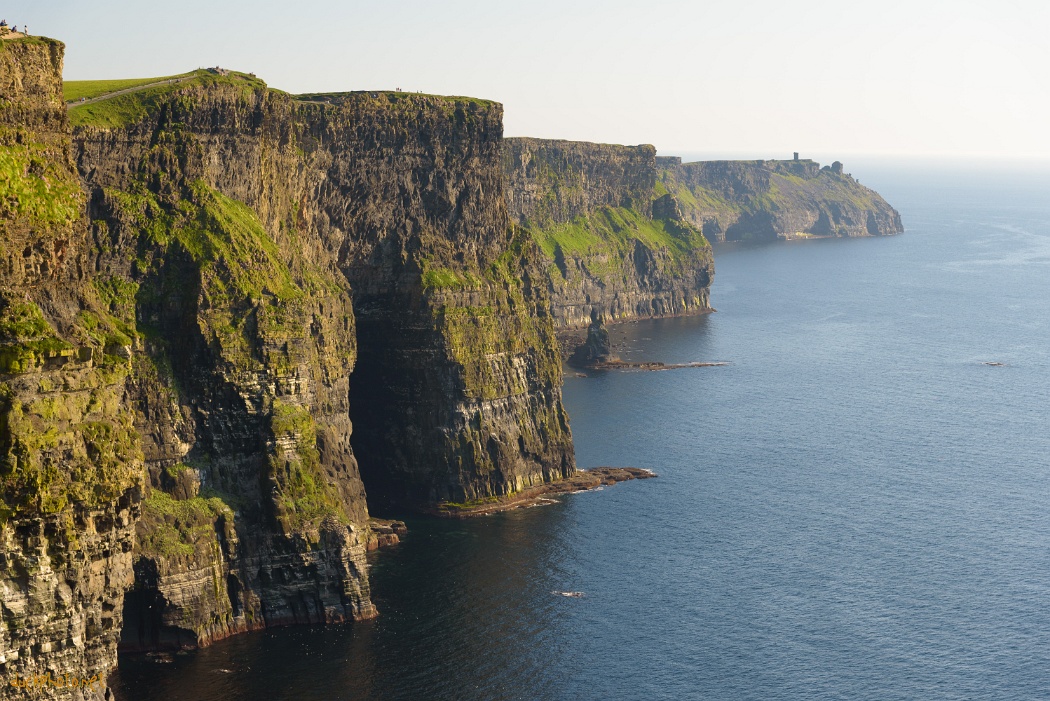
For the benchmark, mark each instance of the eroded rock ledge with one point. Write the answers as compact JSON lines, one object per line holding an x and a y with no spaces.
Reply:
{"x":582,"y":481}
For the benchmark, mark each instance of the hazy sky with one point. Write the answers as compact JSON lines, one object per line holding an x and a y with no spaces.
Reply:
{"x":756,"y":77}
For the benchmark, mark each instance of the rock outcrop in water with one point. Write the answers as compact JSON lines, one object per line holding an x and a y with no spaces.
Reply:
{"x":755,"y":200}
{"x":597,"y":347}
{"x":192,"y":328}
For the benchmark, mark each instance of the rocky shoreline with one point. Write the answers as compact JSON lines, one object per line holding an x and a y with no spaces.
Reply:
{"x":596,"y":352}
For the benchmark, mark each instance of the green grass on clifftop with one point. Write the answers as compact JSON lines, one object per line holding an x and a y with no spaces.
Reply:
{"x":403,"y":100}
{"x":393,"y":96}
{"x":32,"y":41}
{"x":124,"y":110}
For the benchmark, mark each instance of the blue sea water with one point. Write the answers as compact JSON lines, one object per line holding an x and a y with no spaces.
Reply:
{"x":857,"y":507}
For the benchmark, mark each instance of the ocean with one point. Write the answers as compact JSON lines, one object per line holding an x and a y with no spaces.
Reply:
{"x":856,"y":507}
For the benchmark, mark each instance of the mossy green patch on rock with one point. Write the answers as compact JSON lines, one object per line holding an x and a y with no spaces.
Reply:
{"x":27,"y":340}
{"x":71,"y":446}
{"x":613,"y":231}
{"x":33,"y":185}
{"x":301,"y":495}
{"x":22,"y":321}
{"x":499,"y":324}
{"x":172,"y":528}
{"x":436,"y":278}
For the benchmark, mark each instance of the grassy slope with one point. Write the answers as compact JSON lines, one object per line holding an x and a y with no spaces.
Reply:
{"x":88,"y":89}
{"x":124,"y":110}
{"x":696,"y":199}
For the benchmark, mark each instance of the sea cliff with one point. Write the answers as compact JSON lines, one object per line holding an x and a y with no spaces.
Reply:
{"x":756,"y":200}
{"x":71,"y":468}
{"x":227,"y":313}
{"x":624,"y":234}
{"x":235,"y":322}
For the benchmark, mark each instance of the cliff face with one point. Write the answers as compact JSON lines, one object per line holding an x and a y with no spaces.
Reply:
{"x":610,"y":245}
{"x":551,"y":180}
{"x":740,"y":200}
{"x":457,"y":394}
{"x":246,"y":343}
{"x":192,"y":328}
{"x":395,"y":201}
{"x":70,"y":467}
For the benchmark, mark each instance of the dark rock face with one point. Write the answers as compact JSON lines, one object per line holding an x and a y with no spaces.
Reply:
{"x":739,"y":200}
{"x":610,"y":244}
{"x":550,"y":180}
{"x":666,"y":207}
{"x":242,"y":377}
{"x":457,"y":393}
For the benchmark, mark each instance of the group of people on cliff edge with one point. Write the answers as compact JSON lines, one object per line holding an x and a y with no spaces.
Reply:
{"x":5,"y":29}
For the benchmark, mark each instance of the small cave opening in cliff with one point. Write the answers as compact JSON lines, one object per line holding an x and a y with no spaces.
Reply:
{"x":142,"y":621}
{"x":143,"y":628}
{"x":233,"y":588}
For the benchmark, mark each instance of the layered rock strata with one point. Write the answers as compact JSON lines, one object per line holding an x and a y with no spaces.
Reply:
{"x":274,"y":213}
{"x":71,"y":474}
